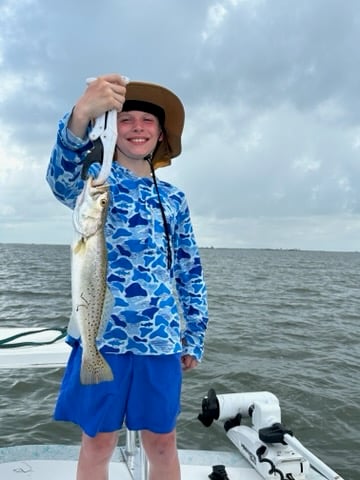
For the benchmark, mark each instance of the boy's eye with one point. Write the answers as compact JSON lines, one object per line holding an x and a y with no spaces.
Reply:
{"x":129,"y":119}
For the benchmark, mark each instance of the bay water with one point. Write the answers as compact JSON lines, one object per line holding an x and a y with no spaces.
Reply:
{"x":285,"y":321}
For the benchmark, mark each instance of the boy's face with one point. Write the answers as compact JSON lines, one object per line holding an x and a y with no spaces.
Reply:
{"x":138,"y":133}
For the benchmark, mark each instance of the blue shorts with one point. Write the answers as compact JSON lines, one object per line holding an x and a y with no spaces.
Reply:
{"x":145,"y":393}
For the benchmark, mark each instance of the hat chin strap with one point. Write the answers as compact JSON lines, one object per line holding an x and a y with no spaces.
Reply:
{"x":148,"y":158}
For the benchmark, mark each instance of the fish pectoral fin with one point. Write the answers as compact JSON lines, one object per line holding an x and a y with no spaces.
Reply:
{"x":95,"y":369}
{"x":79,"y":245}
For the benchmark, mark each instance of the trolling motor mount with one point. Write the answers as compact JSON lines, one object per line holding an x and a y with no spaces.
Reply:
{"x":262,"y":442}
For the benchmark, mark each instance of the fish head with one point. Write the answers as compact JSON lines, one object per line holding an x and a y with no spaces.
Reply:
{"x":91,"y":208}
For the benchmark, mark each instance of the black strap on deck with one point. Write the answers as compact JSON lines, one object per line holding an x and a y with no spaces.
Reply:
{"x":9,"y":341}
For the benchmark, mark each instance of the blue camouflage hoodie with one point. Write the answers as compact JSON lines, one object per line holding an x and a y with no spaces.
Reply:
{"x":156,"y":310}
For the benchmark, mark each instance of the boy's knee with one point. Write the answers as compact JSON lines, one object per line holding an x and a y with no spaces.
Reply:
{"x":99,"y":448}
{"x":159,"y":447}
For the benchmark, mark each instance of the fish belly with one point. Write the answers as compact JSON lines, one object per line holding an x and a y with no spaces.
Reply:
{"x":89,"y":265}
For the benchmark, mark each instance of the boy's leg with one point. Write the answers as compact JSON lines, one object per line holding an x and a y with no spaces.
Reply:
{"x":95,"y":455}
{"x":153,"y":406}
{"x":162,"y":454}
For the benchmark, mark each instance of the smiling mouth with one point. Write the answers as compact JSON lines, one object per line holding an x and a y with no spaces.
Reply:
{"x":137,"y":141}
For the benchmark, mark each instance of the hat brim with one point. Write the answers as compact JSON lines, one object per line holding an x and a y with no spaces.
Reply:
{"x":170,"y":147}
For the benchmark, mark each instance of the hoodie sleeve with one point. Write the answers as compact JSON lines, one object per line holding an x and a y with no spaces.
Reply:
{"x":190,"y":285}
{"x":64,"y":170}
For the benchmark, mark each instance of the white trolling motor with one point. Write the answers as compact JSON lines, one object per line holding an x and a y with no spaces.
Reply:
{"x":270,"y":448}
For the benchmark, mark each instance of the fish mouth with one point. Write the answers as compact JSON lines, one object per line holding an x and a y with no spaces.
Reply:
{"x":91,"y":207}
{"x":98,"y":189}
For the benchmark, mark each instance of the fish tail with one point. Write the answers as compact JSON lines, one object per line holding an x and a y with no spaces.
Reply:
{"x":95,"y":370}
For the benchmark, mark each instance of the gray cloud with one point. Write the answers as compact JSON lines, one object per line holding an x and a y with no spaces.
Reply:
{"x":266,"y":52}
{"x":270,"y":88}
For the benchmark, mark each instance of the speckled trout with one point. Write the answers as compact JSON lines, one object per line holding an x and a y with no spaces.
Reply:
{"x":88,"y":277}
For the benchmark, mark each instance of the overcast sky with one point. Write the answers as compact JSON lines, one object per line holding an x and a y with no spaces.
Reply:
{"x":271,"y":88}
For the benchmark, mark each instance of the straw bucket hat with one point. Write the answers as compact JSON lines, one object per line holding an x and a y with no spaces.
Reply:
{"x":171,"y":116}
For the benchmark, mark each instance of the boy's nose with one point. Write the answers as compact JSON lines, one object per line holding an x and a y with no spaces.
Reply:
{"x":138,"y":126}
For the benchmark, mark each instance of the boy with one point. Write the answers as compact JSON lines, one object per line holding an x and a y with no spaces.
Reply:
{"x":151,"y":247}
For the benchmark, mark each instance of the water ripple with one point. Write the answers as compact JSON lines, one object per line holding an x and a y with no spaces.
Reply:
{"x":284,"y":321}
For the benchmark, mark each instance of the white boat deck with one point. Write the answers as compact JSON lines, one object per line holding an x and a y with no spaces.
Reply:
{"x":57,"y":462}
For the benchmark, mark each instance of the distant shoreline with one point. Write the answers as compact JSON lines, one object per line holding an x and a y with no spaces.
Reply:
{"x":270,"y":249}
